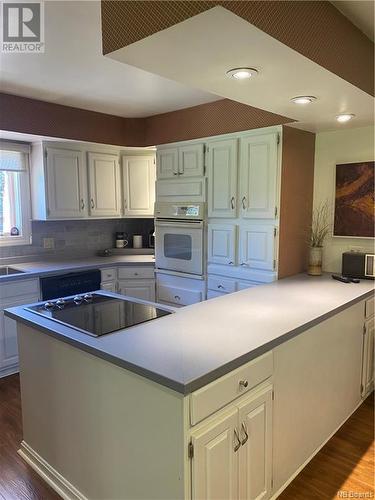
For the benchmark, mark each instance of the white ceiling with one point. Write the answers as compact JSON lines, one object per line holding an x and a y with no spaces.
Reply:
{"x":360,"y":13}
{"x":283,"y":72}
{"x":73,"y":71}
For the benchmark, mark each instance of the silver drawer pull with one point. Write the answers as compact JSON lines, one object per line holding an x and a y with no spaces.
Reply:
{"x":82,"y":204}
{"x":243,"y":264}
{"x":231,"y":262}
{"x":238,"y":440}
{"x":244,"y":202}
{"x":135,"y":274}
{"x":177,"y":297}
{"x":244,"y":430}
{"x":232,"y":200}
{"x":243,"y":383}
{"x":220,"y":286}
{"x":92,"y":203}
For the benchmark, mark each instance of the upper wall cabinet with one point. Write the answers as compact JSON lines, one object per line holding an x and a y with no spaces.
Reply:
{"x":185,"y":161}
{"x":258,"y":176}
{"x":66,"y":183}
{"x":138,"y":185}
{"x":58,"y":183}
{"x":222,"y":178}
{"x":104,"y":185}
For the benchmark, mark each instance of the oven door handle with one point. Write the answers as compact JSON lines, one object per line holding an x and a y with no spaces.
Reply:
{"x":194,"y":224}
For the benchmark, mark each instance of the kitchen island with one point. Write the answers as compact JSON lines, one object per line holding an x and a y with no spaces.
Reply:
{"x":228,"y":399}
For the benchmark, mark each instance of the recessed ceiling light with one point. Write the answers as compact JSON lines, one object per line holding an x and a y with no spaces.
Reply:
{"x":303,"y":99}
{"x":242,"y":73}
{"x":344,"y":117}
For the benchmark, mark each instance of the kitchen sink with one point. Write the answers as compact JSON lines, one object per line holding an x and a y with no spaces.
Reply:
{"x":6,"y":270}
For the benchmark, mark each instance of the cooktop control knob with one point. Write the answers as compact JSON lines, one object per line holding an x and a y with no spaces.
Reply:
{"x":49,"y":305}
{"x":60,"y":303}
{"x":78,"y":299}
{"x":88,"y":297}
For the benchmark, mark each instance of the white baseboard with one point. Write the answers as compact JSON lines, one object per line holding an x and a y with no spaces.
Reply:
{"x":57,"y":482}
{"x":293,"y":476}
{"x":9,"y":370}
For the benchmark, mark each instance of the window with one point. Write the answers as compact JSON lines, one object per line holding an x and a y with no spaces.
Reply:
{"x":15,"y":224}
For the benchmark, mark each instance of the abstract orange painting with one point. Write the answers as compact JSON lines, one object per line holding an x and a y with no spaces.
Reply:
{"x":354,"y":200}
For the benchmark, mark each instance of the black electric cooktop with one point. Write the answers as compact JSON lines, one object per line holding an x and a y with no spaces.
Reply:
{"x":96,"y":314}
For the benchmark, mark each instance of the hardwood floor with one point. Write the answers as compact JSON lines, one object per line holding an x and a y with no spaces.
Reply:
{"x":17,"y":479}
{"x":345,"y":464}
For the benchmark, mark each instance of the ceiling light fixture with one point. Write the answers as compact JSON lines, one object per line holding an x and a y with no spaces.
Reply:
{"x":344,"y":117}
{"x":242,"y":73}
{"x":303,"y":99}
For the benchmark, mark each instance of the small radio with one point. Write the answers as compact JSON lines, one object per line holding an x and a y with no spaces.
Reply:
{"x":358,"y":265}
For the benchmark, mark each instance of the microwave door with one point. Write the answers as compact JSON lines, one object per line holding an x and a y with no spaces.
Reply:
{"x":179,"y":246}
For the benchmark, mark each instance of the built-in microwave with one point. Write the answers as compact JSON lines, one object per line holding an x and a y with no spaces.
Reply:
{"x":179,"y":237}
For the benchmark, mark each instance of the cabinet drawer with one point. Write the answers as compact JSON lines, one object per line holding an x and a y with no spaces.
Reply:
{"x":19,"y":288}
{"x":136,"y":272}
{"x":212,"y":294}
{"x":108,"y":274}
{"x":221,"y":284}
{"x":177,"y":295}
{"x":214,"y":396}
{"x":109,"y":286}
{"x":370,"y":307}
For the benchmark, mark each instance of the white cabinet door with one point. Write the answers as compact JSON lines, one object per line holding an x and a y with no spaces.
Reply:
{"x":167,"y":163}
{"x":66,"y":184}
{"x":368,"y":358}
{"x":8,"y":332}
{"x":138,"y":185}
{"x":222,"y":243}
{"x":222,"y":178}
{"x":257,"y":243}
{"x":215,"y":464}
{"x":139,"y":289}
{"x":255,"y":455}
{"x":104,"y":185}
{"x":191,"y":160}
{"x":258,"y":176}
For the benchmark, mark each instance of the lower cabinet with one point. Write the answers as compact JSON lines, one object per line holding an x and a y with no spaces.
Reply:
{"x":8,"y":330}
{"x":368,"y":358}
{"x":139,"y":289}
{"x":221,"y":285}
{"x":233,"y":450}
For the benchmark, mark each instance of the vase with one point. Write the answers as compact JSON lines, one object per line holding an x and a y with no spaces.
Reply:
{"x":315,"y":261}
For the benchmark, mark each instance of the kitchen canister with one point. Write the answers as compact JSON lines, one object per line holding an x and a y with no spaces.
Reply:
{"x":137,"y":241}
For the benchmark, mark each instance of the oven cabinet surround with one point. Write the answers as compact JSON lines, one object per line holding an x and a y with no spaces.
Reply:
{"x":133,"y":281}
{"x":179,"y":291}
{"x":182,"y":161}
{"x":258,"y":185}
{"x":73,"y":180}
{"x":11,"y":295}
{"x":243,"y":436}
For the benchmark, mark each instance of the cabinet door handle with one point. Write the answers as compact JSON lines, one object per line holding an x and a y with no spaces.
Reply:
{"x":243,"y":264}
{"x":238,"y":440}
{"x":220,"y":286}
{"x":243,"y":383}
{"x":244,"y":430}
{"x":244,"y":202}
{"x":82,"y":204}
{"x":176,"y":173}
{"x":177,"y":297}
{"x":92,"y":203}
{"x":232,"y":202}
{"x":230,"y":263}
{"x":125,"y":203}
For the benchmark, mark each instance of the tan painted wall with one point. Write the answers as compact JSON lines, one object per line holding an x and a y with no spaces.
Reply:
{"x":297,"y":177}
{"x":340,"y":146}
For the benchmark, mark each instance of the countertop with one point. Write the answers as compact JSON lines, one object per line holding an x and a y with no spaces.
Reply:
{"x":58,"y":266}
{"x":199,"y":343}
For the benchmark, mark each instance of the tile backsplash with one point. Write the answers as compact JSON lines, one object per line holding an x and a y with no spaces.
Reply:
{"x":77,"y":238}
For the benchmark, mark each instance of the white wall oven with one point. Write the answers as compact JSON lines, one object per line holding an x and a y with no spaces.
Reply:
{"x":179,"y":237}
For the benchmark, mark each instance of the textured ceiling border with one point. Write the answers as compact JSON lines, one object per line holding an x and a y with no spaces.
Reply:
{"x":316,"y":29}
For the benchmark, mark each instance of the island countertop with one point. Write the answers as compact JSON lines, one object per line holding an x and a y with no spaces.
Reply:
{"x":202,"y":342}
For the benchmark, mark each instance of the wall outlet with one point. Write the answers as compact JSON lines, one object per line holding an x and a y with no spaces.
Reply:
{"x":355,"y":249}
{"x":49,"y":243}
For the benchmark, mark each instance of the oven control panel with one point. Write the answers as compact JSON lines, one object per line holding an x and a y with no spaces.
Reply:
{"x":189,"y":210}
{"x":165,"y":210}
